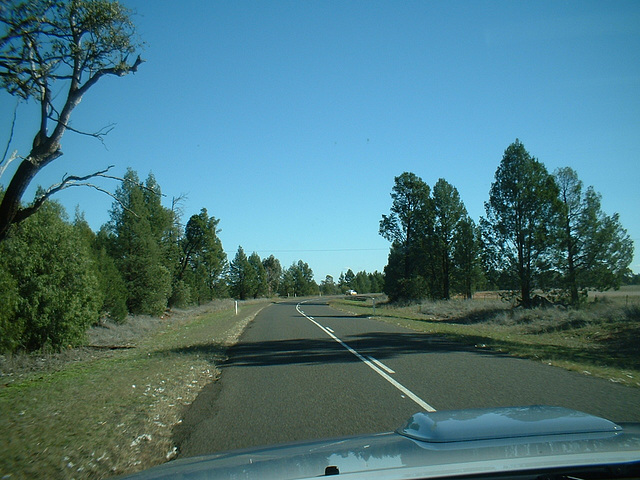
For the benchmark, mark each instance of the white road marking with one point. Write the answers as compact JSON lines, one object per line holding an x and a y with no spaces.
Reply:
{"x":380,"y":364}
{"x":424,"y":405}
{"x":329,"y":329}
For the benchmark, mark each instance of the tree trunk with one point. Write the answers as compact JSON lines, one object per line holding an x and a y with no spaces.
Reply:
{"x":10,"y":205}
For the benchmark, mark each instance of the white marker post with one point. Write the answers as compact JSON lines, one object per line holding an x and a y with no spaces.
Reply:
{"x":236,"y":307}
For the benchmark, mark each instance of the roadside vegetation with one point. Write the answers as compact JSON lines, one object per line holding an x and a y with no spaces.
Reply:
{"x":110,"y":408}
{"x":599,"y":339}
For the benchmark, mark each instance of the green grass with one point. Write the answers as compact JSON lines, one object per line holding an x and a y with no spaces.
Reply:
{"x":100,"y":417}
{"x":598,"y":340}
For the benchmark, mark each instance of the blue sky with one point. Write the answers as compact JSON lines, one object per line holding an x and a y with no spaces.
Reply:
{"x":288,"y":121}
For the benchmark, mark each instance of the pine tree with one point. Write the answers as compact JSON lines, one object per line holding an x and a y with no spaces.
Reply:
{"x":521,"y":217}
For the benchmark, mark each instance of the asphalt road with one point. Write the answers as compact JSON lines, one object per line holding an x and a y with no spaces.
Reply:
{"x":306,"y":371}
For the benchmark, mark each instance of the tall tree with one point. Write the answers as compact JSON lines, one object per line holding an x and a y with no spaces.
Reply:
{"x":203,"y":256}
{"x":137,"y":229}
{"x":328,"y":286}
{"x":521,"y":216}
{"x":408,"y":227}
{"x":261,"y":286}
{"x":595,"y":251}
{"x":467,"y":252}
{"x":450,"y":212}
{"x":242,"y":276}
{"x":49,"y":46}
{"x":273,"y":270}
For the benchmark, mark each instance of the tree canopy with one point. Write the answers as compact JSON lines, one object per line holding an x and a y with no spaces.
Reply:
{"x":49,"y":46}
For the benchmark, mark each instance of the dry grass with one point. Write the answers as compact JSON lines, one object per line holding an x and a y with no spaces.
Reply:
{"x":96,"y":412}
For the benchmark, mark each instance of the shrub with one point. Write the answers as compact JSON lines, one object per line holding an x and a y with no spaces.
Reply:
{"x":55,"y":280}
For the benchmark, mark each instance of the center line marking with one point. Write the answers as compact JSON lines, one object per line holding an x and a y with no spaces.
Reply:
{"x":424,"y":405}
{"x":380,"y":364}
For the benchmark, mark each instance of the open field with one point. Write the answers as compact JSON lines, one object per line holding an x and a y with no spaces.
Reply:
{"x":600,"y":339}
{"x":111,"y":408}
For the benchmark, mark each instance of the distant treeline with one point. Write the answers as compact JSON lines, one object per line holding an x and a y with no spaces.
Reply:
{"x":541,"y":231}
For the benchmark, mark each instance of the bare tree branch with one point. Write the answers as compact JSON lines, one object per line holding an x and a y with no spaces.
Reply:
{"x":76,"y":181}
{"x":9,"y":140}
{"x":13,"y":156}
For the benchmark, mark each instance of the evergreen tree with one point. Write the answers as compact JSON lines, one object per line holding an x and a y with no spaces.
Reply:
{"x":467,"y":257}
{"x":376,"y":280}
{"x":595,"y":251}
{"x":49,"y":267}
{"x":203,"y":262}
{"x":521,"y":216}
{"x":328,"y":286}
{"x":450,"y":212}
{"x":261,"y":286}
{"x":409,"y":227}
{"x":273,"y":271}
{"x":242,"y":276}
{"x":138,"y":230}
{"x":111,"y":285}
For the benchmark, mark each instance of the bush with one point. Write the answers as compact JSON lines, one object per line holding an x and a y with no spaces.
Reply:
{"x":55,"y":280}
{"x":10,"y":328}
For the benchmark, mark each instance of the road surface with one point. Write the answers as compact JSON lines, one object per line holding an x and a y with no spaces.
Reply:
{"x":303,"y":371}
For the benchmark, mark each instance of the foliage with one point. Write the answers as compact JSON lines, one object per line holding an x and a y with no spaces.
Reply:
{"x":595,"y":251}
{"x":273,"y":270}
{"x":521,"y":213}
{"x":328,"y":286}
{"x":111,"y":284}
{"x":54,"y":276}
{"x":139,"y":228}
{"x":203,"y":261}
{"x":243,"y":279}
{"x":433,"y":249}
{"x":408,"y":226}
{"x":52,"y":46}
{"x":297,"y":281}
{"x":450,"y":213}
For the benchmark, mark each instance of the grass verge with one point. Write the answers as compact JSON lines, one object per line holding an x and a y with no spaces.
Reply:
{"x":112,"y":414}
{"x":599,"y":340}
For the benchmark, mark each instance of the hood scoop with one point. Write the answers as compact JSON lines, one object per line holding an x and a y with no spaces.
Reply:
{"x":502,"y":423}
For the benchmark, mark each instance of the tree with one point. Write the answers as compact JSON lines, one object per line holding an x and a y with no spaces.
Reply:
{"x":46,"y":45}
{"x":138,"y":231}
{"x":361,"y":283}
{"x":377,"y":282}
{"x":242,"y":276}
{"x":467,"y":254}
{"x":450,"y":212}
{"x":298,"y":281}
{"x":595,"y":251}
{"x":202,"y":256}
{"x":328,"y":286}
{"x":521,"y":215}
{"x":408,"y":227}
{"x":261,"y":286}
{"x":111,"y":283}
{"x":303,"y":279}
{"x":273,"y":270}
{"x":51,"y":270}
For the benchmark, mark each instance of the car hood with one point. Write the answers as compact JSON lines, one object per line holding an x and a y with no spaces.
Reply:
{"x":437,"y":444}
